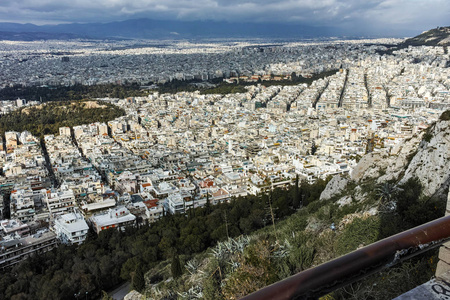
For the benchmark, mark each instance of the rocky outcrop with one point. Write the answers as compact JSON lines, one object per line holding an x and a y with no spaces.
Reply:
{"x":369,"y":166}
{"x":439,"y":36}
{"x":399,"y":158}
{"x":425,"y":156}
{"x":384,"y":166}
{"x":336,"y":185}
{"x":431,"y":164}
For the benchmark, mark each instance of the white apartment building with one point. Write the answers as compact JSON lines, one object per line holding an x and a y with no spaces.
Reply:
{"x":64,"y":131}
{"x":71,"y":228}
{"x":175,"y":203}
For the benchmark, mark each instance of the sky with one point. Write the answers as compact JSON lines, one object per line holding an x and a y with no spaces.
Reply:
{"x":371,"y":16}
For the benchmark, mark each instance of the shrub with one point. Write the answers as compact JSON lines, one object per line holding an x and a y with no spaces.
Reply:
{"x":427,"y":137}
{"x":445,"y":116}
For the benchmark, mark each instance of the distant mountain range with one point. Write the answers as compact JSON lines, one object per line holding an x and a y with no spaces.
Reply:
{"x":157,"y":29}
{"x":164,"y":29}
{"x":439,"y":36}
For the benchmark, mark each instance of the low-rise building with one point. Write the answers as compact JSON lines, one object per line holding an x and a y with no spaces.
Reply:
{"x":175,"y":203}
{"x":14,"y":226}
{"x":71,"y":228}
{"x":154,"y":210}
{"x":59,"y":201}
{"x":13,"y":251}
{"x":119,"y":217}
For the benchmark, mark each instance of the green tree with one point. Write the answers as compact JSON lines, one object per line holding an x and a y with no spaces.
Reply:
{"x":208,"y":204}
{"x":138,"y":279}
{"x":175,"y":266}
{"x":313,"y":148}
{"x":297,"y":196}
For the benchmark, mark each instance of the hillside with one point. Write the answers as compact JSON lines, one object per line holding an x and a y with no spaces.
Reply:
{"x":439,"y":36}
{"x":381,"y":198}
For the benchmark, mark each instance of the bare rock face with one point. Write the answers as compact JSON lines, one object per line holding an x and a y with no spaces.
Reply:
{"x":134,"y":295}
{"x":336,"y":185}
{"x":431,"y":164}
{"x":385,"y":166}
{"x":344,"y":201}
{"x":399,"y":157}
{"x":369,"y":166}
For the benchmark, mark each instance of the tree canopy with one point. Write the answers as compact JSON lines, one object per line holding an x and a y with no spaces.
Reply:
{"x":47,"y":118}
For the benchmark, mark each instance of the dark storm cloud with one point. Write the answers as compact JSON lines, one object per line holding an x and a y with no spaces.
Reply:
{"x":368,"y":14}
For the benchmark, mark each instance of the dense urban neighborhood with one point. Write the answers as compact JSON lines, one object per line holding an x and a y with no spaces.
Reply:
{"x":171,"y":153}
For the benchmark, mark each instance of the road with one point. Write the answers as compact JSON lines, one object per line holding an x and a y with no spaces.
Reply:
{"x":120,"y":292}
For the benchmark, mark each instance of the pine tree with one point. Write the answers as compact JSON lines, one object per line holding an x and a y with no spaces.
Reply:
{"x":208,"y":204}
{"x":138,"y":279}
{"x":176,"y":267}
{"x":297,"y":201}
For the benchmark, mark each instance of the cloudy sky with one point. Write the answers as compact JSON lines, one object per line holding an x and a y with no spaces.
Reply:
{"x":370,"y":16}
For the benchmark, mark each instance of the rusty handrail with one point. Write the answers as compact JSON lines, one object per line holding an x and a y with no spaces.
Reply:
{"x":320,"y":280}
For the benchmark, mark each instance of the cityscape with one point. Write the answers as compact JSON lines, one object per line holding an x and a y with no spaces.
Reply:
{"x":317,"y":131}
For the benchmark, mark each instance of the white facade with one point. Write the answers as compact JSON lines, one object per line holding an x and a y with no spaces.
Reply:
{"x":154,"y":213}
{"x":115,"y":218}
{"x":71,"y":228}
{"x":175,"y":203}
{"x":64,"y":131}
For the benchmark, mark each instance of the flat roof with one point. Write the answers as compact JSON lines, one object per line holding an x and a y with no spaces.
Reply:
{"x":99,"y":205}
{"x":74,"y":225}
{"x":111,"y":218}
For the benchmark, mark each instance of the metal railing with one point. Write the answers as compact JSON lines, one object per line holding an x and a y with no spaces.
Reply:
{"x":325,"y":278}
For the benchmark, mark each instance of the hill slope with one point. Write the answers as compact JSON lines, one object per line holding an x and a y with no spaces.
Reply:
{"x":439,"y":36}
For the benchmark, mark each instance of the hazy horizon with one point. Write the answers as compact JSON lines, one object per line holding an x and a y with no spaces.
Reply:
{"x":377,"y":17}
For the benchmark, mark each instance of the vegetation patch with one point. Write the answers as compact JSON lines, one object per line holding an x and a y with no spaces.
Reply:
{"x":231,"y":249}
{"x":74,"y":92}
{"x":445,"y":116}
{"x":47,"y":118}
{"x":359,"y":233}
